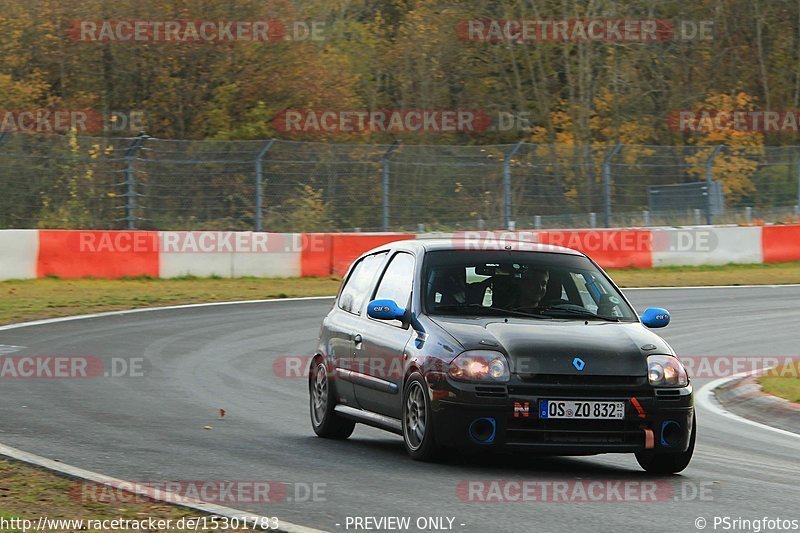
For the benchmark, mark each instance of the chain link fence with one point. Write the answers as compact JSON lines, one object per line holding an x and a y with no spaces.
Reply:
{"x":64,"y":181}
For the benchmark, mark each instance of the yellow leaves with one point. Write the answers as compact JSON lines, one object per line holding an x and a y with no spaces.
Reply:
{"x":635,"y":133}
{"x":712,"y":132}
{"x":97,"y":150}
{"x":561,"y":120}
{"x":538,"y":135}
{"x":72,"y":141}
{"x":603,"y":128}
{"x":738,"y":162}
{"x":21,"y":94}
{"x":744,"y":100}
{"x":603,"y":101}
{"x":631,"y":157}
{"x":309,"y":211}
{"x":732,"y":168}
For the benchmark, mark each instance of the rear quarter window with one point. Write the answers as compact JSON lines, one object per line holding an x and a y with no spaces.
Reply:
{"x":357,"y":286}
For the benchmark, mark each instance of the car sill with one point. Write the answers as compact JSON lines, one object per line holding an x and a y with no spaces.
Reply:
{"x":370,"y":418}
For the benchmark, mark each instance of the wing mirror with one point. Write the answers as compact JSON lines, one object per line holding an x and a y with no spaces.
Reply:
{"x":385,"y":310}
{"x":655,"y":317}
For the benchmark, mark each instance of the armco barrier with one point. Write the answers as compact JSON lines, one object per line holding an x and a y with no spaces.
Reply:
{"x":114,"y":254}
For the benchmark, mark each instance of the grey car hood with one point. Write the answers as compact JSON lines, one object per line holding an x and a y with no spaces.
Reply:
{"x":550,"y":346}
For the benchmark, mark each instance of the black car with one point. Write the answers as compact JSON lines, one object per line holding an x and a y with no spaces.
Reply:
{"x":514,"y":346}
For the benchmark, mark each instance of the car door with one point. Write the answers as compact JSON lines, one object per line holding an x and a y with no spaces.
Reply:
{"x":344,"y":321}
{"x":380,"y":355}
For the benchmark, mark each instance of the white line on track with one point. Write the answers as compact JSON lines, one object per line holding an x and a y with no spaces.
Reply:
{"x":6,"y":349}
{"x":711,"y":287}
{"x":148,"y":309}
{"x":704,"y":398}
{"x":147,"y":491}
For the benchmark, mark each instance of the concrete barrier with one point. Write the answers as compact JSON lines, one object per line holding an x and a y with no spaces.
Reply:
{"x":780,"y":243}
{"x":706,"y":246}
{"x":229,"y":254}
{"x":113,"y":254}
{"x":610,"y":248}
{"x":19,"y":251}
{"x":97,"y":254}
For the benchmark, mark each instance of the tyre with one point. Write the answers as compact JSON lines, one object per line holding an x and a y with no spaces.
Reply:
{"x":324,"y":420}
{"x":668,"y":463}
{"x":418,"y":431}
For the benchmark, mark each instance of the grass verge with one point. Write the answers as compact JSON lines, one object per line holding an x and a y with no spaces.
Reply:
{"x":22,"y":300}
{"x":28,"y":493}
{"x":689,"y":276}
{"x":786,"y":384}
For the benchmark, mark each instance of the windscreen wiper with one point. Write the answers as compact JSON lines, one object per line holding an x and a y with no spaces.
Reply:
{"x":479,"y":307}
{"x":578,"y":312}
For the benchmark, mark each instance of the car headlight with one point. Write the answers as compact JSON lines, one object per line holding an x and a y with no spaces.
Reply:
{"x":479,"y":365}
{"x":666,"y":371}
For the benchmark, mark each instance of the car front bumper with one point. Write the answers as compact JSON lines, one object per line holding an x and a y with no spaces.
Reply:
{"x":507,"y":417}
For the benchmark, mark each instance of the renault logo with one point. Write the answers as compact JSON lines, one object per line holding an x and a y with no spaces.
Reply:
{"x":578,"y":363}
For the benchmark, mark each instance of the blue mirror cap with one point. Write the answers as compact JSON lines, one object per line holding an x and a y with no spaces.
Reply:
{"x":385,"y":310}
{"x":655,"y":317}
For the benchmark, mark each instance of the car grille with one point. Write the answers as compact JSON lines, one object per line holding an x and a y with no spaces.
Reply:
{"x":668,"y":395}
{"x":567,"y":386}
{"x":598,"y":432}
{"x":578,"y":380}
{"x":490,"y":391}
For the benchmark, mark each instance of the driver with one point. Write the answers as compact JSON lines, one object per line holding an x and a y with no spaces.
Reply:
{"x":532,"y":288}
{"x":450,"y":285}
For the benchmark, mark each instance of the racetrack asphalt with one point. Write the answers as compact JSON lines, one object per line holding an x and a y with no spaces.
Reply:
{"x":200,"y":359}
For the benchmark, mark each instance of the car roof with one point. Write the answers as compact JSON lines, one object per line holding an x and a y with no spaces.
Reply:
{"x":486,"y":242}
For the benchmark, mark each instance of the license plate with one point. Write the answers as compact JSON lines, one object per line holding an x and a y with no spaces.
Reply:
{"x":581,"y":409}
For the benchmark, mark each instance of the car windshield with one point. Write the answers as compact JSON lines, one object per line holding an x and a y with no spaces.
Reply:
{"x":537,"y":285}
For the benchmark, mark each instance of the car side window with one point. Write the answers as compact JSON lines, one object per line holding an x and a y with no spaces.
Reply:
{"x":356,"y":288}
{"x":596,"y":297}
{"x":397,"y":282}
